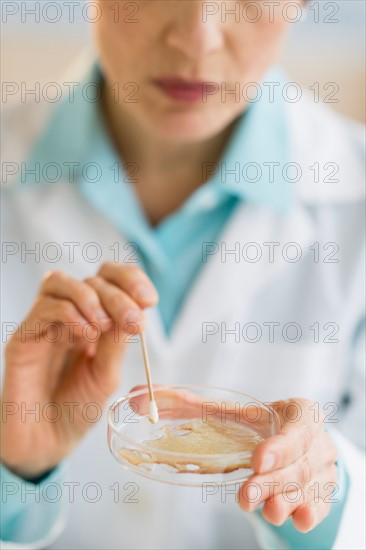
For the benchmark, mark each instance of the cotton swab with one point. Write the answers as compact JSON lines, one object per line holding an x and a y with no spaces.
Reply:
{"x":154,"y":415}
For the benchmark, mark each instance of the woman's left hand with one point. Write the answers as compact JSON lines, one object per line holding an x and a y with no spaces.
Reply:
{"x":295,"y":472}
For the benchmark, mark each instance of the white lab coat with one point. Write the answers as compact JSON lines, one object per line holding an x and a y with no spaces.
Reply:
{"x":305,"y":292}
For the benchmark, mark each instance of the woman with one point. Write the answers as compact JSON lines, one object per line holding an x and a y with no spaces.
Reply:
{"x":181,"y":168}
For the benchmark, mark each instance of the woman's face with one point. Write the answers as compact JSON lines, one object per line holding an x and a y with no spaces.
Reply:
{"x":182,"y":66}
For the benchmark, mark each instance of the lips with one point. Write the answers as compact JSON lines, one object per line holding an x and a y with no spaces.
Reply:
{"x":180,"y":89}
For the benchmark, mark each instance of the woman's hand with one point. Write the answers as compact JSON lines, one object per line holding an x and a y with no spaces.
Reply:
{"x":65,"y":357}
{"x":295,"y":471}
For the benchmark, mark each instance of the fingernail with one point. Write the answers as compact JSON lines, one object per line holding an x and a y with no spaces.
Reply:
{"x":102,"y":316}
{"x":146,"y":293}
{"x":253,"y":496}
{"x":268,"y":462}
{"x":91,"y":352}
{"x":134,"y":316}
{"x":252,"y":493}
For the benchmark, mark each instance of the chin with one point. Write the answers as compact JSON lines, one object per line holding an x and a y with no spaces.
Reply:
{"x":186,"y":127}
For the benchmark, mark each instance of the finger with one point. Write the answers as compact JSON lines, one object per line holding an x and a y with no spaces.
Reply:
{"x":307,"y":517}
{"x":60,"y":285}
{"x":131,"y":280}
{"x":48,"y":312}
{"x":118,"y":305}
{"x":294,"y":439}
{"x":301,"y":472}
{"x":280,"y":507}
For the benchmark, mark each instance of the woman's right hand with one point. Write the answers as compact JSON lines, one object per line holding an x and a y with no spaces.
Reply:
{"x":64,"y":356}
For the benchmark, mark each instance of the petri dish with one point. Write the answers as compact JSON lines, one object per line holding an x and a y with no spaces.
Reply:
{"x":204,"y":434}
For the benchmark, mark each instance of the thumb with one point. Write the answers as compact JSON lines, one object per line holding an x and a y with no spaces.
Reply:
{"x":110,"y":350}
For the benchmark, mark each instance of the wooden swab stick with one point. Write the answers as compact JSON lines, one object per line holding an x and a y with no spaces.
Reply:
{"x":154,"y":415}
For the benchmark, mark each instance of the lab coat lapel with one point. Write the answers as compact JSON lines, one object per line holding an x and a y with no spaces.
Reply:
{"x":224,"y":289}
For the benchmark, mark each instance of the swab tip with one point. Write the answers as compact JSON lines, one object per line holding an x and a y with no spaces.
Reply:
{"x":154,"y":414}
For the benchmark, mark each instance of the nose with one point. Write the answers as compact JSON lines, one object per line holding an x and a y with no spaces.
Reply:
{"x":192,"y":32}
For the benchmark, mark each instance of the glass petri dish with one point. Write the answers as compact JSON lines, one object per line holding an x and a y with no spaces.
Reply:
{"x":204,"y":434}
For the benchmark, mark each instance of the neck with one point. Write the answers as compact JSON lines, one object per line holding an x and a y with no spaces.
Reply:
{"x":164,"y":179}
